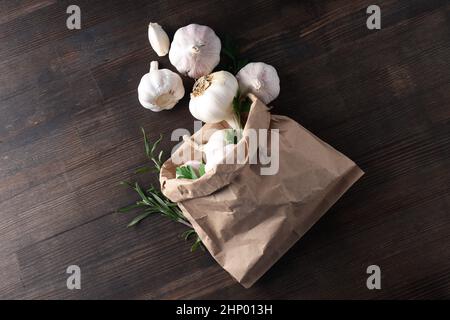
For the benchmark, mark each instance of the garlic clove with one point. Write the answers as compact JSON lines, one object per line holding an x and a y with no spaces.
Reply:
{"x":261,"y":79}
{"x":195,"y":50}
{"x":159,"y":40}
{"x":160,"y":89}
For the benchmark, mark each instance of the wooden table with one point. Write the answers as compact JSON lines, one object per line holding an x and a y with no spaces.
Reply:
{"x":69,"y":132}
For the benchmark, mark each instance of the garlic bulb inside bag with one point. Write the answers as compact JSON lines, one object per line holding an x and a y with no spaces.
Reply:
{"x":160,"y":89}
{"x":217,"y":156}
{"x":261,"y":79}
{"x":195,"y":50}
{"x":219,"y":146}
{"x":212,"y":99}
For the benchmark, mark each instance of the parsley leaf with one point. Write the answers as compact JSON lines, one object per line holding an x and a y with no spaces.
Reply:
{"x":188,"y":172}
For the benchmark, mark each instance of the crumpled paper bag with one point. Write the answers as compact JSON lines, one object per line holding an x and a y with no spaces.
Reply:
{"x":246,"y":220}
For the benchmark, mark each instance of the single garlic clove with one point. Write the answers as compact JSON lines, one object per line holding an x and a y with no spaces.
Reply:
{"x":261,"y":79}
{"x":160,"y":89}
{"x":158,"y":39}
{"x":195,"y":50}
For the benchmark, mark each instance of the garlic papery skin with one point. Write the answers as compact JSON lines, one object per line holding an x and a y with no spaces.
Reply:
{"x":159,"y":40}
{"x":212,"y":98}
{"x":261,"y":79}
{"x":195,"y":50}
{"x":160,"y":89}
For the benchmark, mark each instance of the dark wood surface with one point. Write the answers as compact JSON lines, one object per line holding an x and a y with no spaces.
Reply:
{"x":69,"y":132}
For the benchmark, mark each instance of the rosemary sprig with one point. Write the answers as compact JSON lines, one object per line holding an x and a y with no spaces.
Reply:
{"x":230,"y":52}
{"x":153,"y":201}
{"x":197,"y":242}
{"x":232,"y":62}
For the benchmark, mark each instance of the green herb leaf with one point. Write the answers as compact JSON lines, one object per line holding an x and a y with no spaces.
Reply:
{"x":241,"y":105}
{"x":139,"y":218}
{"x":197,"y":244}
{"x":141,"y":193}
{"x":192,"y":172}
{"x":236,"y":103}
{"x":126,"y":184}
{"x":231,"y":136}
{"x":245,"y":105}
{"x":188,"y":233}
{"x":182,"y":173}
{"x":146,"y":144}
{"x":150,"y":150}
{"x":230,"y":52}
{"x":131,"y":207}
{"x":201,"y":169}
{"x":188,"y":172}
{"x":142,"y":170}
{"x":152,"y":198}
{"x":241,"y":63}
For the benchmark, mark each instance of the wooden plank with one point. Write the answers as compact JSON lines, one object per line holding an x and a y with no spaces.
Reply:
{"x":10,"y":284}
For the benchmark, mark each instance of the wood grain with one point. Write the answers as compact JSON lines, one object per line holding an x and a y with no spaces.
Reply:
{"x":69,"y":132}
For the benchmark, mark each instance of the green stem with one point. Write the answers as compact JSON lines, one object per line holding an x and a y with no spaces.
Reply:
{"x":187,"y":224}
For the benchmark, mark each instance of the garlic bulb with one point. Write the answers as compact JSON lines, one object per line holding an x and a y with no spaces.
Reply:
{"x":216,"y":148}
{"x":217,"y":156}
{"x":195,"y":50}
{"x":260,"y":79}
{"x":160,"y":89}
{"x":158,"y":39}
{"x":219,"y":144}
{"x":218,"y":140}
{"x":212,"y":98}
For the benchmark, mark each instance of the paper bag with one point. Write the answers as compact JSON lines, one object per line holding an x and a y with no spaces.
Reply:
{"x":247,"y":220}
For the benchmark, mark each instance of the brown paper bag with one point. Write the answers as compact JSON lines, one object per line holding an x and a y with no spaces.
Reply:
{"x":246,"y":220}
